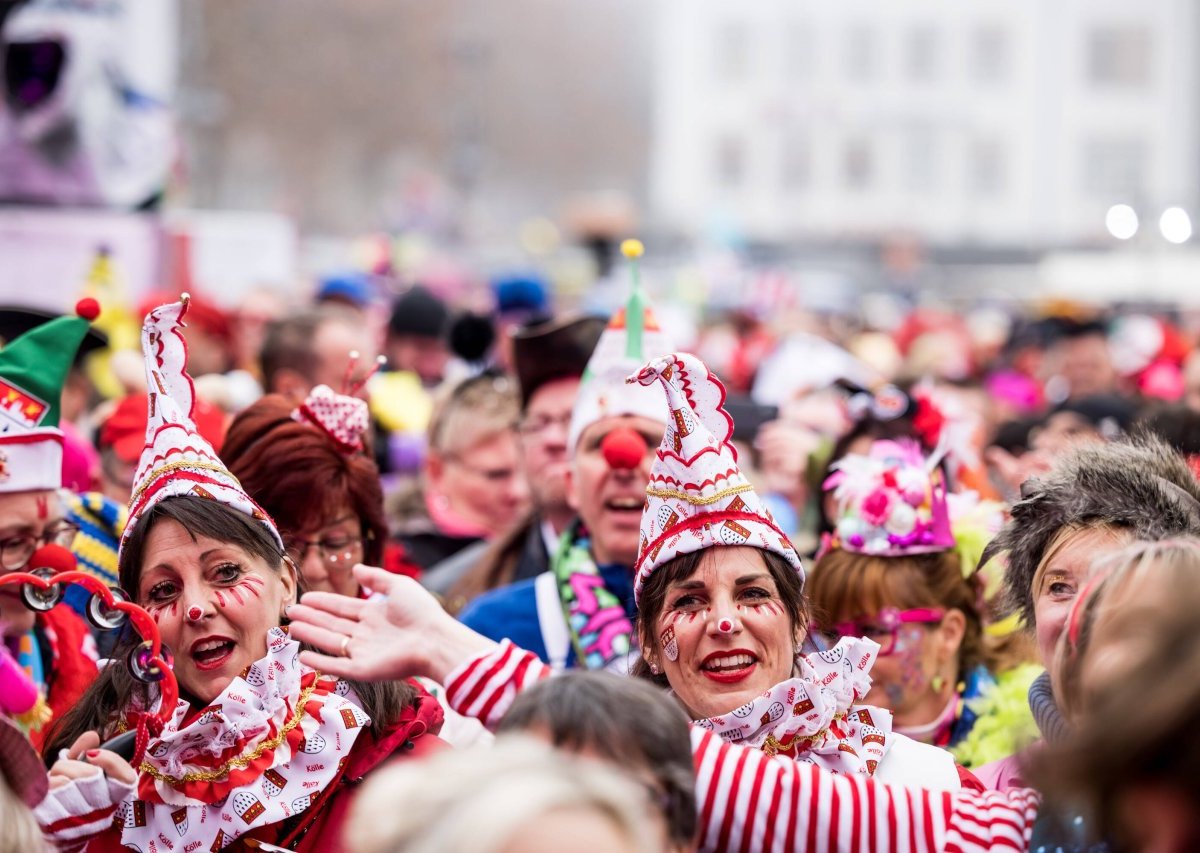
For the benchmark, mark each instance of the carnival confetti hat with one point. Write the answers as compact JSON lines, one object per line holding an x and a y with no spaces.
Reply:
{"x":698,"y":497}
{"x":177,"y":460}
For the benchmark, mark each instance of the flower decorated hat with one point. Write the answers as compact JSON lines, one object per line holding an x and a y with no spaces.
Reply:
{"x":177,"y":460}
{"x":890,"y":501}
{"x":632,"y":336}
{"x":33,"y":368}
{"x":697,"y":496}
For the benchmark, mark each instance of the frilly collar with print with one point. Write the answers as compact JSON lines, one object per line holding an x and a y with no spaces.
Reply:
{"x":260,"y":753}
{"x":810,"y":717}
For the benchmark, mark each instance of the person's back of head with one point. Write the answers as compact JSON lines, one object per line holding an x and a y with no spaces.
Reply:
{"x":518,"y":794}
{"x":626,"y":721}
{"x":1125,"y":670}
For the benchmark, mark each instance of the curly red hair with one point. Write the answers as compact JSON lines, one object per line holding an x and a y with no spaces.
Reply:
{"x":297,"y":474}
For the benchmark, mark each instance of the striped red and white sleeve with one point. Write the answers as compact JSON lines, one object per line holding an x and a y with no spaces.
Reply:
{"x":485,"y":686}
{"x":748,"y":800}
{"x":73,"y":814}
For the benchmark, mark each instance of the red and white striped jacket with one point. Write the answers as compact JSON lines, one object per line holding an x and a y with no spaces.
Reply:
{"x":750,"y":801}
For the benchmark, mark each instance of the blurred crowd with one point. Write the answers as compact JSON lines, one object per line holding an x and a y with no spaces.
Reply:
{"x":951,"y":552}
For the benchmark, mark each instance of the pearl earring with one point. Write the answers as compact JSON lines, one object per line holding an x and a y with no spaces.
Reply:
{"x":654,"y":669}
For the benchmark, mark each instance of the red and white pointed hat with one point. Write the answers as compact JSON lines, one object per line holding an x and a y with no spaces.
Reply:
{"x":176,"y":459}
{"x":698,"y":497}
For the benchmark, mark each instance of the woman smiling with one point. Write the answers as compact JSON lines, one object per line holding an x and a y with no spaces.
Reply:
{"x":259,"y":747}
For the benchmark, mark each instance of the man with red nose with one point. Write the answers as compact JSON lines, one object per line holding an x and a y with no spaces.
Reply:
{"x":580,"y":612}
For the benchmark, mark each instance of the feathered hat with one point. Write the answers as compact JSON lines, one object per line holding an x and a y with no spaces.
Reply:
{"x":697,"y":496}
{"x":33,"y":368}
{"x":891,"y":501}
{"x":632,"y":336}
{"x":176,"y":459}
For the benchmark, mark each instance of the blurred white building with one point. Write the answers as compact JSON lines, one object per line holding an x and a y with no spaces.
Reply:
{"x":993,"y":122}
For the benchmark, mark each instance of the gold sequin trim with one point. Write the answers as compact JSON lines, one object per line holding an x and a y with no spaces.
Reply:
{"x":238,"y":762}
{"x":149,"y":479}
{"x":772,"y":746}
{"x":695,"y":501}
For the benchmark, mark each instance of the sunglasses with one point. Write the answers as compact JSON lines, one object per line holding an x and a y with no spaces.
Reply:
{"x":884,"y":627}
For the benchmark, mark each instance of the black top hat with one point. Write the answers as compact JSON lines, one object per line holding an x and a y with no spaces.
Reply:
{"x":553,"y":349}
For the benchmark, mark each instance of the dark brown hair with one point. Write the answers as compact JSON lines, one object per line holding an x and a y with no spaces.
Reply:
{"x":631,"y":723}
{"x":297,"y":474}
{"x":654,"y":596}
{"x":115,"y":689}
{"x":845,"y":586}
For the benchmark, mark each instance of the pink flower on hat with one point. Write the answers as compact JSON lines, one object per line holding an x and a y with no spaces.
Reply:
{"x":877,"y":506}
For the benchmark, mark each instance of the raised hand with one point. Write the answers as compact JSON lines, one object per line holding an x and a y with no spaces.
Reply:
{"x":401,"y":632}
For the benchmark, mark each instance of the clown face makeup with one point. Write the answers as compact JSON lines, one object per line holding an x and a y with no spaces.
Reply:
{"x":715,"y":670}
{"x":235,"y":597}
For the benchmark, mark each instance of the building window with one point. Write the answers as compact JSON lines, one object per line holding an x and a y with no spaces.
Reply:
{"x":857,"y":164}
{"x":921,"y":59}
{"x":800,"y":51}
{"x":860,"y":53}
{"x":1119,"y":56}
{"x":920,"y":160}
{"x":732,"y":54}
{"x":989,"y":54}
{"x":986,"y":168}
{"x":730,"y":163}
{"x":1114,"y":170}
{"x":795,"y":172}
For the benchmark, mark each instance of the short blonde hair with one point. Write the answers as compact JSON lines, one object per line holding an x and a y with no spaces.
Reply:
{"x":19,"y":829}
{"x":471,"y":411}
{"x":476,"y":800}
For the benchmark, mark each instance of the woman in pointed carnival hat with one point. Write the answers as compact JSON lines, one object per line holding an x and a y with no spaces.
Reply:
{"x":260,"y":748}
{"x":722,"y":619}
{"x":47,"y":659}
{"x":901,"y":568}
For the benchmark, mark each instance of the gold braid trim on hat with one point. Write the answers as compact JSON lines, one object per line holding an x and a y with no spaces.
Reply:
{"x":153,"y":475}
{"x":698,"y":501}
{"x":238,"y":762}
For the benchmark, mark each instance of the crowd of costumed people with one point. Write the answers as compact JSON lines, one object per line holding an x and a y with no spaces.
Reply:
{"x":337,"y":580}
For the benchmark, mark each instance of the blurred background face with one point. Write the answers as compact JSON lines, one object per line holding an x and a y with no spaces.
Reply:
{"x":325,"y":555}
{"x":427,"y":357}
{"x":333,"y":343}
{"x":609,"y":500}
{"x":26,"y":518}
{"x":483,"y":483}
{"x":544,"y":441}
{"x":1086,"y":364}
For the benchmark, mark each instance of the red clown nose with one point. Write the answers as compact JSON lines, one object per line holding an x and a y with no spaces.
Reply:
{"x":623,"y":448}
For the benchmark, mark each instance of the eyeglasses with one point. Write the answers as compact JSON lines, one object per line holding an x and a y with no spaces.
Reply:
{"x":884,"y":627}
{"x":540,"y":424}
{"x":15,"y":552}
{"x":337,"y":552}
